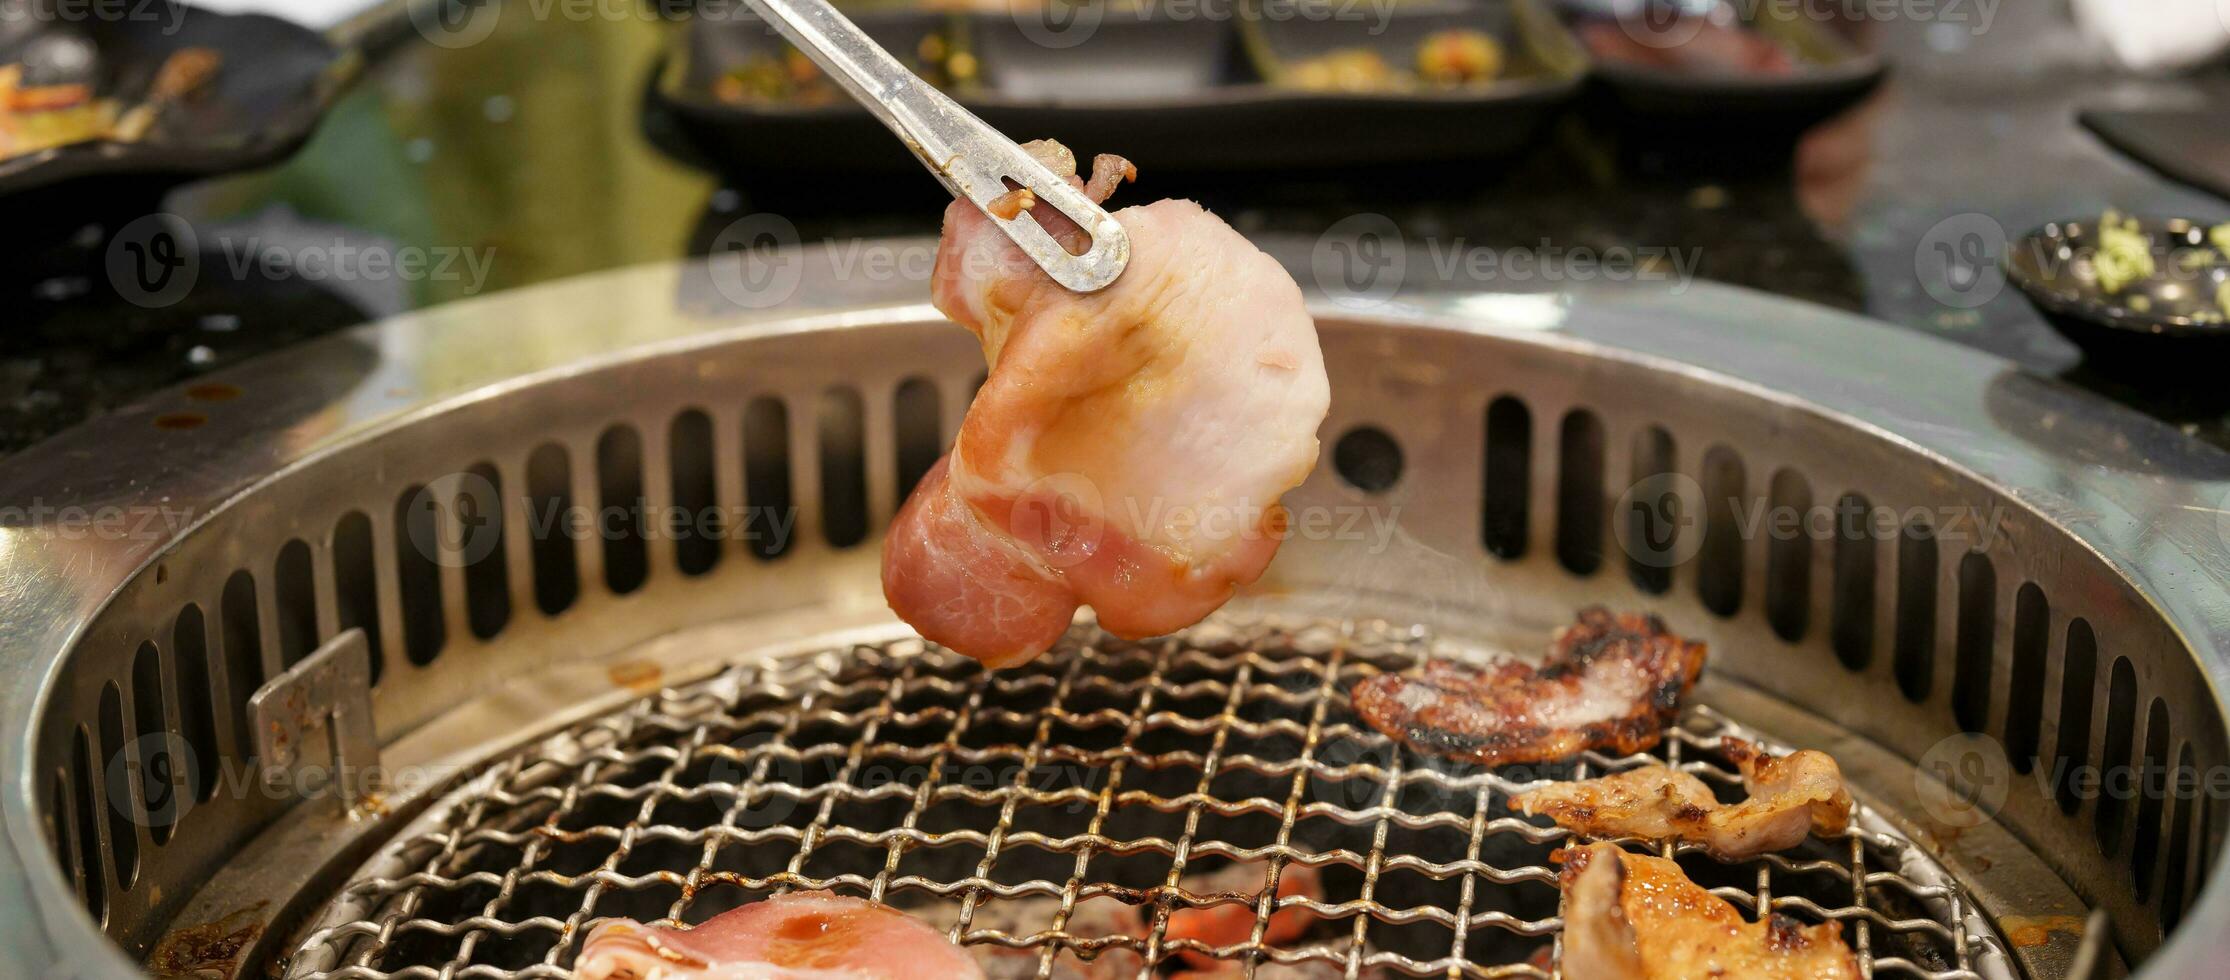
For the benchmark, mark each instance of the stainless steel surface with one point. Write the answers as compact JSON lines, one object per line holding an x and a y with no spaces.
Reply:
{"x":1112,"y":771}
{"x":974,"y":161}
{"x":1516,"y":415}
{"x":327,"y":695}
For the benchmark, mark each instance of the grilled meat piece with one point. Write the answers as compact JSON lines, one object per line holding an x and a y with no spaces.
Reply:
{"x":1790,"y":798}
{"x":1231,"y":924}
{"x":799,"y":936}
{"x":1130,"y":446}
{"x":1630,"y":917}
{"x":1611,"y":682}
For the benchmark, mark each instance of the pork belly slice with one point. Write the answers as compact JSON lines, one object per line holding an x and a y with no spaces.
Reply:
{"x":1611,"y":683}
{"x":1791,"y":798}
{"x":799,"y":936}
{"x":1129,"y":448}
{"x":1631,"y":917}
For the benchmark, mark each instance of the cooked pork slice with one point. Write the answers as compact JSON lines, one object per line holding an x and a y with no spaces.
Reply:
{"x":1130,"y":446}
{"x":800,"y":936}
{"x":1094,"y":918}
{"x":1790,"y":798}
{"x":1611,"y":683}
{"x":1230,"y":924}
{"x":1630,"y":917}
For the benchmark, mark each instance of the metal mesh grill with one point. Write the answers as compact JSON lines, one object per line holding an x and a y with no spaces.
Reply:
{"x":1004,"y":807}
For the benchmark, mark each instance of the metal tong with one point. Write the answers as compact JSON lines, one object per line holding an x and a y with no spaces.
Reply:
{"x":973,"y":160}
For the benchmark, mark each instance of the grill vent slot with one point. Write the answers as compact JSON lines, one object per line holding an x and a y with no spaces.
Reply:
{"x":1645,"y":523}
{"x":2078,"y":684}
{"x":356,"y":584}
{"x":123,"y":843}
{"x":619,"y":521}
{"x":1974,"y":642}
{"x":1852,"y":618}
{"x":243,"y":653}
{"x":698,"y":525}
{"x":1579,"y":493}
{"x":2150,"y":780}
{"x":2024,"y":709}
{"x":915,"y":411}
{"x":2121,"y":725}
{"x":549,"y":495}
{"x":1719,"y":565}
{"x":843,"y":439}
{"x":60,"y":834}
{"x":297,"y":602}
{"x":197,"y":702}
{"x":1368,"y":459}
{"x":1788,"y":558}
{"x":88,"y":827}
{"x":419,"y":575}
{"x":2172,"y":889}
{"x":481,"y":525}
{"x":1914,"y":658}
{"x":766,"y":473}
{"x":1509,"y":480}
{"x":150,"y":735}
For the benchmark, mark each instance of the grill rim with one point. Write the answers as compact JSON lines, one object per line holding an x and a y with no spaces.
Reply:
{"x":1925,"y":394}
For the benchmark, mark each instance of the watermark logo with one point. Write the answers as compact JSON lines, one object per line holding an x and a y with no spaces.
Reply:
{"x":1058,"y":24}
{"x":1659,"y":520}
{"x":455,"y":23}
{"x":757,"y":262}
{"x":1063,"y":517}
{"x":162,"y":768}
{"x":1358,"y":262}
{"x":1658,"y":23}
{"x":1958,"y":261}
{"x":1963,"y":780}
{"x":154,"y":261}
{"x":461,"y":522}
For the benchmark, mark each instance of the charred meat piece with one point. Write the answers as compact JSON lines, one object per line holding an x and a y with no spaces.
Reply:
{"x":1791,"y":797}
{"x":1611,"y":683}
{"x":1630,"y":917}
{"x":799,"y":936}
{"x":1130,"y":446}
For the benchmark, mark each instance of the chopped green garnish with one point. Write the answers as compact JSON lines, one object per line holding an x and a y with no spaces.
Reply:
{"x":2220,"y":236}
{"x":2124,"y":256}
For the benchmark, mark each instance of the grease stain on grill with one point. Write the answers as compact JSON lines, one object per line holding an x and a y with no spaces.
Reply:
{"x":214,"y":391}
{"x":640,"y":676}
{"x":180,"y":421}
{"x":211,"y":948}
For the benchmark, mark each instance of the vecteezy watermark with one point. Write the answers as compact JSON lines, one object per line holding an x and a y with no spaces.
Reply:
{"x":756,"y":262}
{"x":1068,"y":520}
{"x":1062,"y":24}
{"x":1960,"y":261}
{"x":1664,"y":24}
{"x":165,"y":12}
{"x":460,"y":519}
{"x":99,"y":522}
{"x":1966,"y":779}
{"x":155,"y":260}
{"x":1362,"y":262}
{"x":1660,"y":521}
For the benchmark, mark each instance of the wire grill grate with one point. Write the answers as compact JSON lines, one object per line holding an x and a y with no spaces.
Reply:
{"x":1006,"y":807}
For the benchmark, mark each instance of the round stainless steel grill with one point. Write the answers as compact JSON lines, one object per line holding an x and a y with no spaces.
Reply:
{"x":1104,"y":771}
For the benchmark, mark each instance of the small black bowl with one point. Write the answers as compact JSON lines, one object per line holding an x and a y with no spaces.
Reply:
{"x":2162,"y":321}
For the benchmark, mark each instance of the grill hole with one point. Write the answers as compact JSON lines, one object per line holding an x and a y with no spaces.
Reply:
{"x":1914,"y":657}
{"x":356,"y":584}
{"x":2024,"y":710}
{"x":620,"y":518}
{"x":196,"y":699}
{"x":88,"y":826}
{"x":1973,"y":641}
{"x":915,"y":412}
{"x":843,"y":437}
{"x":697,"y":525}
{"x":1649,"y":532}
{"x":557,"y":569}
{"x":2121,"y":732}
{"x":2152,"y":793}
{"x":243,"y":653}
{"x":2078,"y":681}
{"x":482,"y":522}
{"x":418,"y":575}
{"x":766,"y":476}
{"x":1368,"y":459}
{"x":2179,"y":842}
{"x":58,"y":828}
{"x":1851,"y":621}
{"x":1509,"y":478}
{"x":1579,"y":493}
{"x":158,"y":761}
{"x":1788,"y":557}
{"x":297,"y":600}
{"x":123,"y":843}
{"x":1719,"y":565}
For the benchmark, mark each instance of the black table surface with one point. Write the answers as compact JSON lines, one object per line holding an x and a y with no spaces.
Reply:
{"x":526,"y":158}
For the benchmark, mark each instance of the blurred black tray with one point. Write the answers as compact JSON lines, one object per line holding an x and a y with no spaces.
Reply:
{"x":1170,"y":94}
{"x":275,"y":84}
